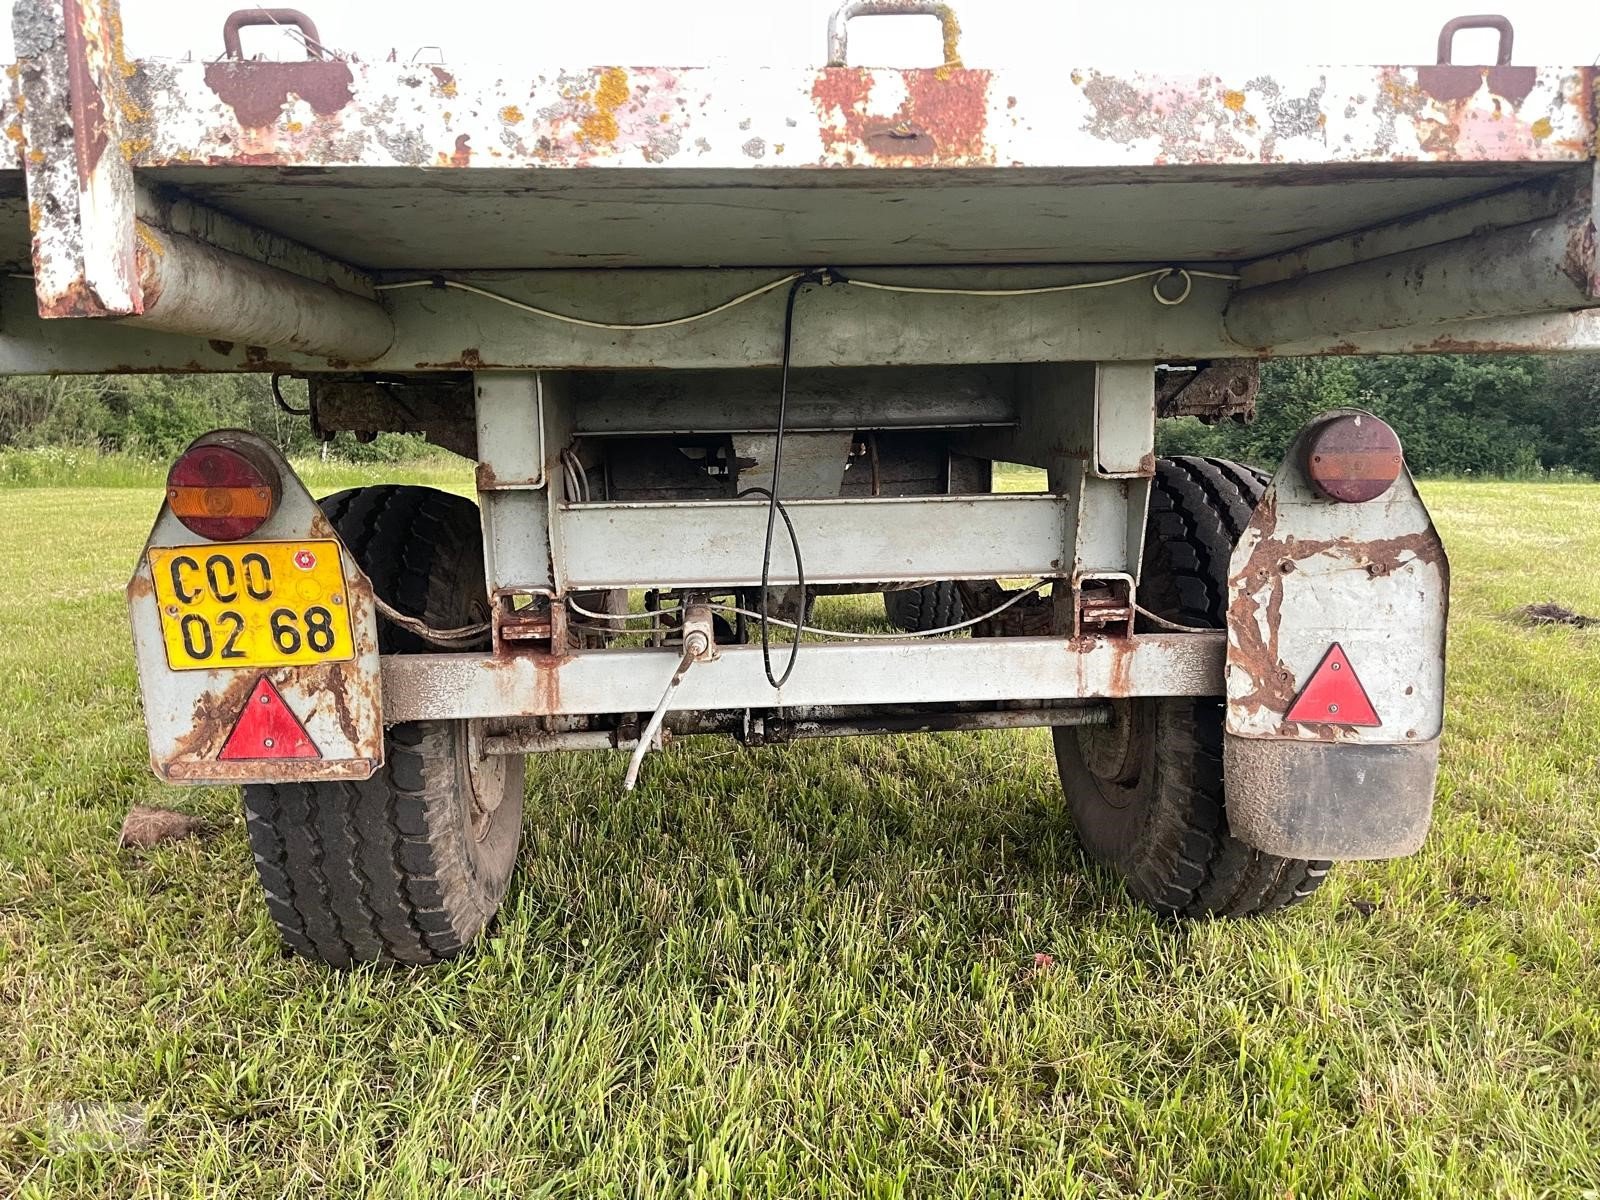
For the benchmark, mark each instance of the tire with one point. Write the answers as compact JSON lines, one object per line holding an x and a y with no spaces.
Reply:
{"x":410,"y":865}
{"x":1146,"y":792}
{"x":931,"y":606}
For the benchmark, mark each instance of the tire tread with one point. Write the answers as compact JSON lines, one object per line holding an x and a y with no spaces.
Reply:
{"x":1183,"y":859}
{"x":370,"y":870}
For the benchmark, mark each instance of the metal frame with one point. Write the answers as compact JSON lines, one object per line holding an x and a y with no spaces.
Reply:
{"x":1091,"y":426}
{"x":1057,"y":361}
{"x":428,"y":686}
{"x":100,"y":139}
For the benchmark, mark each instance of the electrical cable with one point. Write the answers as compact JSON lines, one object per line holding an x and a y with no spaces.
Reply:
{"x":1173,"y":626}
{"x":535,"y":310}
{"x":277,"y":394}
{"x":765,"y":613}
{"x":1013,"y":598}
{"x":774,"y":506}
{"x":891,"y":637}
{"x":449,"y":638}
{"x":1157,"y":274}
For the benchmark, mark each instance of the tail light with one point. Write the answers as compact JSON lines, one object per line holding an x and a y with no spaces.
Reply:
{"x":1353,"y":457}
{"x":220,"y":491}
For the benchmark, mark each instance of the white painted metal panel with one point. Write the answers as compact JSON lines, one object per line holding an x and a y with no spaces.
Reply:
{"x":856,"y":540}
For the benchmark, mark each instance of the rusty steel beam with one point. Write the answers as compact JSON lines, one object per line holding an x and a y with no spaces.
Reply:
{"x":73,"y":104}
{"x":419,"y":687}
{"x":92,"y":254}
{"x":337,"y":113}
{"x":1542,"y":266}
{"x":194,"y":288}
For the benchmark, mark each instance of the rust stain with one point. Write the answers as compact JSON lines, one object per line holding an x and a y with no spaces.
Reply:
{"x":1273,"y":688}
{"x":1233,"y":101}
{"x":1578,"y":263}
{"x":91,"y":128}
{"x":511,"y":115}
{"x":462,"y":157}
{"x":76,"y":299}
{"x":444,"y":81}
{"x":332,"y":685}
{"x":1541,"y":128}
{"x":215,"y":713}
{"x":547,"y":681}
{"x":1121,"y":681}
{"x":943,"y":118}
{"x":258,"y":91}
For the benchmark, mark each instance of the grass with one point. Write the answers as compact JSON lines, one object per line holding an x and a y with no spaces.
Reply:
{"x":85,"y":467}
{"x":810,"y":971}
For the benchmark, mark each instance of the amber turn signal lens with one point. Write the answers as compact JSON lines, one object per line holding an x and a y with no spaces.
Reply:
{"x":221,"y":492}
{"x":1353,"y":458}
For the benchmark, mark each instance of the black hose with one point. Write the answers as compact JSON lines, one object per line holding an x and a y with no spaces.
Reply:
{"x":774,"y":506}
{"x":277,"y":394}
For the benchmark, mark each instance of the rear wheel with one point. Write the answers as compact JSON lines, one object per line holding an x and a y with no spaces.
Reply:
{"x":410,"y":865}
{"x":1146,"y":791}
{"x":931,"y":606}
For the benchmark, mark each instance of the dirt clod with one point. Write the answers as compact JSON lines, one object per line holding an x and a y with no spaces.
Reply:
{"x":1550,"y":613}
{"x":144,"y":827}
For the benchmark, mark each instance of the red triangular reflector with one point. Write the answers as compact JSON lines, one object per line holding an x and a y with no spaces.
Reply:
{"x":1333,"y":695}
{"x":268,"y":729}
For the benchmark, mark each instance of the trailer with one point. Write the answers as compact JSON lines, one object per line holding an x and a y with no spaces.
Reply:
{"x":722,"y":340}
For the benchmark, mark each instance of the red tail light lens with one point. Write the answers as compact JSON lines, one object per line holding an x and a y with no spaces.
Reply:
{"x":1353,"y":457}
{"x":222,"y":492}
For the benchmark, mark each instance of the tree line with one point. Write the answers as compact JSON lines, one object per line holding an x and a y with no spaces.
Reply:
{"x":156,"y":416}
{"x":1456,"y":414}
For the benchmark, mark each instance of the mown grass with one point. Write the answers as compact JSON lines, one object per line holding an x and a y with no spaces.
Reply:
{"x":812,"y":971}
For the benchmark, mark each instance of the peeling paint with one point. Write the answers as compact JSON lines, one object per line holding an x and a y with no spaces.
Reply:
{"x":376,"y":114}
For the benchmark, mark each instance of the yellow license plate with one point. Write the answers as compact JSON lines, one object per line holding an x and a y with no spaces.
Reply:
{"x":257,"y":604}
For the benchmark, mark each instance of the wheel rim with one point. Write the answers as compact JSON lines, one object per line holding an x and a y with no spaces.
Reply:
{"x":1114,"y":752}
{"x":485,"y":776}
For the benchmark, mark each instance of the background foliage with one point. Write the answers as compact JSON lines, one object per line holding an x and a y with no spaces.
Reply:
{"x":156,"y":416}
{"x":1508,"y":416}
{"x":1511,"y":416}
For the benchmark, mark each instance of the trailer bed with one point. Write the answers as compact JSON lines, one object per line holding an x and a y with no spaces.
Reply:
{"x":353,"y":174}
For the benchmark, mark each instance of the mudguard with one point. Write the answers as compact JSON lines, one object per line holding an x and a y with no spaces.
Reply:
{"x":1335,"y":668}
{"x":308,"y":721}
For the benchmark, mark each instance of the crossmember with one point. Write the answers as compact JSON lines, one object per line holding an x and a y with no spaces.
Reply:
{"x":439,"y":686}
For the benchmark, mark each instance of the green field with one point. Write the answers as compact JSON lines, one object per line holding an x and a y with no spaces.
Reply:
{"x":809,"y":971}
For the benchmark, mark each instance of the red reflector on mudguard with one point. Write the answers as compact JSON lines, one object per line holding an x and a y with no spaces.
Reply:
{"x":1333,"y":695}
{"x":267,"y":729}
